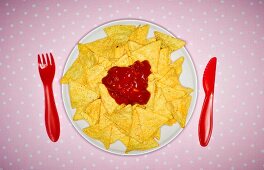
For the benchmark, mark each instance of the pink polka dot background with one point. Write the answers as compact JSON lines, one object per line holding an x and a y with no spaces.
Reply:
{"x":231,"y":30}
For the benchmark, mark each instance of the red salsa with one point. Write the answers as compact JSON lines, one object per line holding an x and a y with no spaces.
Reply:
{"x":128,"y":85}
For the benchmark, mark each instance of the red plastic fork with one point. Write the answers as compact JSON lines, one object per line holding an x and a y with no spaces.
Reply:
{"x":47,"y":71}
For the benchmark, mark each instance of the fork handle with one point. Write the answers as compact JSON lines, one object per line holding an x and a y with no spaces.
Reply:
{"x":51,"y":115}
{"x":205,"y":126}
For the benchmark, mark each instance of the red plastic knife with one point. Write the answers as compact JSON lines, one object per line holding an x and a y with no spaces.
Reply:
{"x":206,"y":118}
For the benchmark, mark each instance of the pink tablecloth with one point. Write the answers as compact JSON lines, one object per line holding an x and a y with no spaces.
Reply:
{"x":231,"y":30}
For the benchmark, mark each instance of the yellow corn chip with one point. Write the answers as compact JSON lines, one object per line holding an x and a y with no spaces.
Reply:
{"x":122,"y":118}
{"x":168,"y":41}
{"x":124,"y":61}
{"x":77,"y":115}
{"x":140,"y":34}
{"x":181,"y":109}
{"x":149,"y":121}
{"x":164,"y":59}
{"x":160,"y":104}
{"x":108,"y":102}
{"x":92,"y":112}
{"x":145,"y":145}
{"x":152,"y":39}
{"x":148,"y":52}
{"x":81,"y":95}
{"x":120,"y":29}
{"x":132,"y":45}
{"x":157,"y":134}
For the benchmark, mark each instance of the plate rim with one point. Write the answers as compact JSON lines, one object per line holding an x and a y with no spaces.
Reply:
{"x":63,"y":86}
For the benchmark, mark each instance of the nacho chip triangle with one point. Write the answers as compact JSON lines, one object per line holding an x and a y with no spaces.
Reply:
{"x":132,"y":45}
{"x":108,"y":102}
{"x":74,"y":73}
{"x":105,"y":47}
{"x":160,"y":105}
{"x":171,"y":122}
{"x":170,"y":78}
{"x":124,"y":61}
{"x":102,"y":130}
{"x":157,"y":134}
{"x":181,"y":108}
{"x":168,"y":41}
{"x":94,"y":78}
{"x":87,"y":57}
{"x":149,"y":121}
{"x":97,"y":72}
{"x":170,"y":75}
{"x":177,"y":65}
{"x":106,"y":63}
{"x":107,"y":131}
{"x":145,"y":145}
{"x":77,"y":72}
{"x":78,"y":115}
{"x":120,"y":29}
{"x":151,"y":88}
{"x":81,"y":95}
{"x":118,"y":135}
{"x":140,"y":34}
{"x":148,"y":52}
{"x":173,"y":93}
{"x":92,"y":112}
{"x":152,"y":39}
{"x":135,"y":131}
{"x":122,"y":118}
{"x":164,"y":59}
{"x":120,"y":51}
{"x":100,"y":133}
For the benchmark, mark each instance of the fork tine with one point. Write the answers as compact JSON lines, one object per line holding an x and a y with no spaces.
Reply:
{"x":52,"y":59}
{"x":47,"y":58}
{"x":39,"y":61}
{"x":43,"y":59}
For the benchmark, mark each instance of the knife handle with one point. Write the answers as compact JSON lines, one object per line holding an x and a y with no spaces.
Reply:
{"x":206,"y":120}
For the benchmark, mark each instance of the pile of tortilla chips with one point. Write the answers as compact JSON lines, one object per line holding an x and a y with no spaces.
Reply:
{"x":137,"y":126}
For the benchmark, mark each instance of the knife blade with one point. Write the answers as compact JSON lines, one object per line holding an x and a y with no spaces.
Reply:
{"x":205,"y":126}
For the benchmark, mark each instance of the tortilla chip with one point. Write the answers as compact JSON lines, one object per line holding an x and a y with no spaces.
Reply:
{"x":136,"y":145}
{"x":124,"y":61}
{"x":148,"y":52}
{"x":120,"y":51}
{"x":122,"y":118}
{"x":77,"y":115}
{"x":164,"y":59}
{"x":81,"y":95}
{"x":92,"y":112}
{"x":108,"y":102}
{"x":181,"y":108}
{"x":120,"y":29}
{"x":171,"y":94}
{"x":160,"y":104}
{"x":97,"y":72}
{"x":151,"y":88}
{"x":140,"y":35}
{"x":157,"y":134}
{"x":74,"y":73}
{"x":168,"y":41}
{"x":152,"y":39}
{"x":132,"y":45}
{"x":105,"y":47}
{"x":149,"y":121}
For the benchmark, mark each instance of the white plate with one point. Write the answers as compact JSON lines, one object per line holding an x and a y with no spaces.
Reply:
{"x":188,"y":78}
